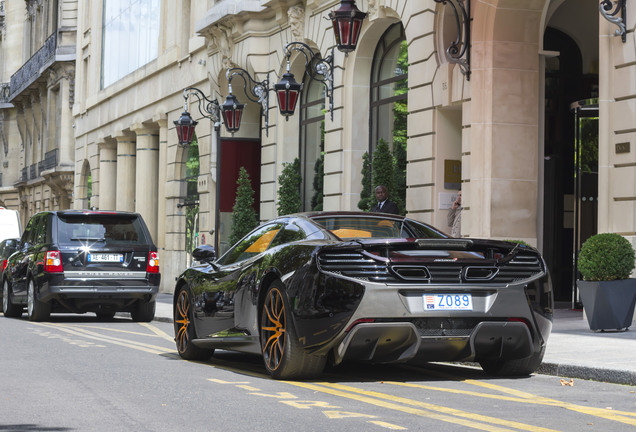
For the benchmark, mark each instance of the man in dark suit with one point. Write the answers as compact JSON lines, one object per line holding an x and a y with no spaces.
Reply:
{"x":384,"y":204}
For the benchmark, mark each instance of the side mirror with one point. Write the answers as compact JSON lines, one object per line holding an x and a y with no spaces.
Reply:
{"x":204,"y":253}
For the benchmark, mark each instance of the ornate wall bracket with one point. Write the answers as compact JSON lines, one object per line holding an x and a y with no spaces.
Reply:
{"x":613,"y":15}
{"x":459,"y":50}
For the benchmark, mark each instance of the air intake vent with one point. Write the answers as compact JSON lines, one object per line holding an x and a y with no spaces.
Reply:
{"x":412,"y":273}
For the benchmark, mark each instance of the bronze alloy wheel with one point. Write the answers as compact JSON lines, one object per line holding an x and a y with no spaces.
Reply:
{"x":273,"y":329}
{"x":283,"y":354}
{"x":184,"y":328}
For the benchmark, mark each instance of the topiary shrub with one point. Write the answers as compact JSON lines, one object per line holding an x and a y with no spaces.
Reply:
{"x":289,"y":188}
{"x":244,"y":218}
{"x":606,"y":256}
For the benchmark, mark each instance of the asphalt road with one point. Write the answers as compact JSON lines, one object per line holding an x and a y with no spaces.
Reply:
{"x":79,"y":374}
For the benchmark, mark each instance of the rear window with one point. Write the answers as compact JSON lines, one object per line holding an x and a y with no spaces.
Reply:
{"x":110,"y":229}
{"x":347,"y":227}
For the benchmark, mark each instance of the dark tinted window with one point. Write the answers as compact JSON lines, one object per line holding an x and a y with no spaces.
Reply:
{"x":252,"y":244}
{"x":376,"y":227}
{"x":111,"y":229}
{"x":290,"y":233}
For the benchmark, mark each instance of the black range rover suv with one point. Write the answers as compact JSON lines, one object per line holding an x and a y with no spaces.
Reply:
{"x":83,"y":261}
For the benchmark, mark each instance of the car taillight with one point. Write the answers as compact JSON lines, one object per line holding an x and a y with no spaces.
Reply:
{"x":3,"y":265}
{"x":53,"y":262}
{"x":153,"y":263}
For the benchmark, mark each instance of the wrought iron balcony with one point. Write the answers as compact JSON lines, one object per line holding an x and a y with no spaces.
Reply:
{"x":33,"y":173}
{"x":30,"y":71}
{"x":25,"y":174}
{"x":50,"y":160}
{"x":4,"y":92}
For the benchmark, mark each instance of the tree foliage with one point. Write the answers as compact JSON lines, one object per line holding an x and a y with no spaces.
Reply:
{"x":244,"y":217}
{"x":289,"y":182}
{"x":367,"y":188}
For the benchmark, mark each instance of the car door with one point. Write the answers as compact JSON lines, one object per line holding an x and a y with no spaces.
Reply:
{"x":215,"y":286}
{"x":21,"y":261}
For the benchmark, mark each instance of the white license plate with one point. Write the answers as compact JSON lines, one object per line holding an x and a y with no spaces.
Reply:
{"x":104,"y":257}
{"x":448,"y":302}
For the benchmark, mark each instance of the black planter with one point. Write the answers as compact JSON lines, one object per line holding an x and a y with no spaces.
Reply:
{"x":609,"y":305}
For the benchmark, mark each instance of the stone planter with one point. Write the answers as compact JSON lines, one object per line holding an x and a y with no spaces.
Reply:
{"x":609,"y":305}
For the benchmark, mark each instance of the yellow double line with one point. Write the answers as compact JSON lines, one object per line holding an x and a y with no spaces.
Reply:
{"x":141,"y":346}
{"x":419,"y":408}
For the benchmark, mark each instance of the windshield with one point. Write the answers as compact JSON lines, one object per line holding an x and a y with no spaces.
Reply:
{"x":348,"y":227}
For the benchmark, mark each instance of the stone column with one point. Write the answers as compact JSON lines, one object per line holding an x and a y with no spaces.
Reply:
{"x":107,"y":187}
{"x":160,"y":240}
{"x":126,"y":165}
{"x":147,"y":177}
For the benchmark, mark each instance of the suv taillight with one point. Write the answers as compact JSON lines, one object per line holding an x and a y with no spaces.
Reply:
{"x":153,"y":263}
{"x":53,"y":262}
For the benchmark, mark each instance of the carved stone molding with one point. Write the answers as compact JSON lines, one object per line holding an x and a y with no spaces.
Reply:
{"x":372,"y":8}
{"x":296,"y":15}
{"x":221,"y":39}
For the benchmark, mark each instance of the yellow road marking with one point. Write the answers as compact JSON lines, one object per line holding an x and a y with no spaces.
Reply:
{"x":386,"y":425}
{"x":431,"y":411}
{"x":157,"y":331}
{"x":152,"y":349}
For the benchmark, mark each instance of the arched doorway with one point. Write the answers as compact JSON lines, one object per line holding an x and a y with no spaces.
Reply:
{"x":571,"y":75}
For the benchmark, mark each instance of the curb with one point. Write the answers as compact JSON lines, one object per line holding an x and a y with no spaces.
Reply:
{"x":613,"y":376}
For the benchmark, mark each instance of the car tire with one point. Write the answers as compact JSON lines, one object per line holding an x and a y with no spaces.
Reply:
{"x":283,"y":355}
{"x":36,"y":310}
{"x":10,"y":309}
{"x":144,"y":312}
{"x":520,"y":367}
{"x":184,"y":330}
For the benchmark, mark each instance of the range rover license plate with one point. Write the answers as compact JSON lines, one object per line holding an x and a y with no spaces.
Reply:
{"x":448,"y":302}
{"x":105,"y":257}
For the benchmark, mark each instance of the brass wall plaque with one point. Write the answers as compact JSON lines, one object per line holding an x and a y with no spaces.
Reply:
{"x":622,"y":147}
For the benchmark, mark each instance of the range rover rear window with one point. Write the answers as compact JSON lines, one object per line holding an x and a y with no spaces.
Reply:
{"x":108,"y":229}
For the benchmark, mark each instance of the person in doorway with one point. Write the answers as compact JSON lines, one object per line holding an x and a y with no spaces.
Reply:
{"x":384,"y":205}
{"x":454,"y":217}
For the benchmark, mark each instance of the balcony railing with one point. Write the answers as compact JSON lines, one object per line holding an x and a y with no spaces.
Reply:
{"x":25,"y":174}
{"x":50,"y":160}
{"x":31,"y":69}
{"x":5,"y":89}
{"x":33,"y":171}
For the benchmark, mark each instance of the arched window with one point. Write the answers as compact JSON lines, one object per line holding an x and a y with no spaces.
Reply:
{"x":389,"y":102}
{"x":389,"y":89}
{"x":312,"y":138}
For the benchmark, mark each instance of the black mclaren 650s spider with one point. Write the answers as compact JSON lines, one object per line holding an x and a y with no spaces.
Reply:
{"x":305,"y":289}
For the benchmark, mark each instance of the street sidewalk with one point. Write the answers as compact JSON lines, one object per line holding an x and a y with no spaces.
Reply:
{"x":574,"y":351}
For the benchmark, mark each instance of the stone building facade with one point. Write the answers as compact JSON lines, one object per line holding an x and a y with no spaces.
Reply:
{"x":505,"y":112}
{"x":37,"y":76}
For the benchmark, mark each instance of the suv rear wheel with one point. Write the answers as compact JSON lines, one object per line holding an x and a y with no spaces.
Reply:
{"x":144,"y":312}
{"x":36,"y":310}
{"x":10,"y":309}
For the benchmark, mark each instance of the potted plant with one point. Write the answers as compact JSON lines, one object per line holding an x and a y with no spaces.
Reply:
{"x":606,"y":262}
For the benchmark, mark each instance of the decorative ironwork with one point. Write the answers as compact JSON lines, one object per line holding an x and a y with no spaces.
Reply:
{"x":24,"y":175}
{"x":612,"y":15}
{"x":31,"y":69}
{"x":50,"y":159}
{"x":256,"y":91}
{"x":5,"y":91}
{"x":33,"y":171}
{"x":318,"y":68}
{"x":459,"y":50}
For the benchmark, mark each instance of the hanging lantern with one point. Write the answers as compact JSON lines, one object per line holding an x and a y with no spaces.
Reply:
{"x":287,"y":92}
{"x":347,"y":23}
{"x":185,"y":128}
{"x":232,"y":111}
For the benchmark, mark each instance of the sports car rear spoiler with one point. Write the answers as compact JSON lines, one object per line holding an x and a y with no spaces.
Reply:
{"x":451,"y":244}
